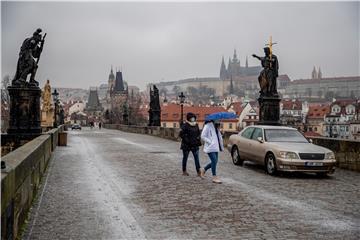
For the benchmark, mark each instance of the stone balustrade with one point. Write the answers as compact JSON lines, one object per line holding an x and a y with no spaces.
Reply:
{"x":20,"y":180}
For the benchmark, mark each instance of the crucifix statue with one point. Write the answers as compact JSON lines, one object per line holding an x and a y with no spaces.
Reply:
{"x":268,"y":76}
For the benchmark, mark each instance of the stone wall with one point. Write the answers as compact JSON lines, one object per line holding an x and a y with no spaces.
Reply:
{"x":20,"y":180}
{"x":347,"y":152}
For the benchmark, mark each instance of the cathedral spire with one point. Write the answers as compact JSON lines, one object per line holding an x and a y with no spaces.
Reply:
{"x":319,"y":73}
{"x":223,"y":71}
{"x":231,"y":88}
{"x":314,"y":73}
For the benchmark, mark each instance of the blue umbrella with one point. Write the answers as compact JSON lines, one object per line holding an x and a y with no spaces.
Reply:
{"x":221,"y":115}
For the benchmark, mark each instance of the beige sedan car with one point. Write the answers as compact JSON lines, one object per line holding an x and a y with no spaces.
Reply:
{"x":280,"y":149}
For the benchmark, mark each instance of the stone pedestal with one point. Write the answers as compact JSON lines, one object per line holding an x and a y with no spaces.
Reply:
{"x":269,"y":110}
{"x":47,"y":118}
{"x":24,"y":110}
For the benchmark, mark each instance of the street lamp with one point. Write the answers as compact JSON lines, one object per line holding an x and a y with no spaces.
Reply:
{"x":182,"y":100}
{"x":55,"y":95}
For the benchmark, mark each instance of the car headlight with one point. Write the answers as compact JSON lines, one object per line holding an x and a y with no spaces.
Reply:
{"x":288,"y":155}
{"x":330,"y":155}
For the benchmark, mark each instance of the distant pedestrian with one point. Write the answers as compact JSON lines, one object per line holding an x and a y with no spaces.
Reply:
{"x":211,"y":135}
{"x":190,"y":135}
{"x":99,"y":125}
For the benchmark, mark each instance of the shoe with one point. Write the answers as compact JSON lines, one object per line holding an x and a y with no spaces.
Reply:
{"x":202,"y":172}
{"x":216,"y":179}
{"x":185,"y":173}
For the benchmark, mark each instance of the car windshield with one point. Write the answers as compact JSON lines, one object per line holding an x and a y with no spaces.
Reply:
{"x":284,"y":135}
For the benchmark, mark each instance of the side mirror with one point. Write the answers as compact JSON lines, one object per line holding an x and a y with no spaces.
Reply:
{"x":310,"y":140}
{"x":260,"y":139}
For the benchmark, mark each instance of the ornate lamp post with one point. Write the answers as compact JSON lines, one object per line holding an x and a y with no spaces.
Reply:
{"x":55,"y":95}
{"x":182,"y":100}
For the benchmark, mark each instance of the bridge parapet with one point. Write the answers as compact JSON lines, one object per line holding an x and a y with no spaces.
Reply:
{"x":347,"y":152}
{"x":20,"y":180}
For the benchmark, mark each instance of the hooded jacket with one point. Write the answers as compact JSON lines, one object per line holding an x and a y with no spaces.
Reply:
{"x":210,"y":138}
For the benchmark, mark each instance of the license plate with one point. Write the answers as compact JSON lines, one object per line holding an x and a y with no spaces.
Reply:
{"x":310,"y":164}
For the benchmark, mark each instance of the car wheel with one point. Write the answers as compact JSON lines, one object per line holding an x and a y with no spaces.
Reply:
{"x":270,"y":164}
{"x":236,"y":156}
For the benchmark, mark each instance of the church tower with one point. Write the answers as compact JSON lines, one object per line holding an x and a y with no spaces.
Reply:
{"x":223,"y":71}
{"x":314,"y":74}
{"x":111,"y":80}
{"x":319,"y":73}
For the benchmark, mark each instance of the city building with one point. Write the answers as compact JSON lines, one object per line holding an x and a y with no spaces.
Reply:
{"x":171,"y":115}
{"x":93,"y":107}
{"x":337,"y":122}
{"x":323,"y":88}
{"x":291,"y":113}
{"x":315,"y":117}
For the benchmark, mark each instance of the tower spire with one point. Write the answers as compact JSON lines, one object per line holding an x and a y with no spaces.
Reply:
{"x":314,"y":73}
{"x":223,"y":71}
{"x":319,"y":73}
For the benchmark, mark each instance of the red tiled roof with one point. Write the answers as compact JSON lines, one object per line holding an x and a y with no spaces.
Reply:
{"x":171,"y":112}
{"x":318,"y":111}
{"x":237,"y":107}
{"x":289,"y":104}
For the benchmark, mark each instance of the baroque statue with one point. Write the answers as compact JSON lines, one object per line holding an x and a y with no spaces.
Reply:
{"x":268,"y":76}
{"x":46,"y":97}
{"x":30,"y":50}
{"x":154,"y":111}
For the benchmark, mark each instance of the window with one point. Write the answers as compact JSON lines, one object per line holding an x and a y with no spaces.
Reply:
{"x":315,"y":129}
{"x":247,"y":132}
{"x":164,"y":125}
{"x":230,"y":126}
{"x":174,"y":125}
{"x":257,"y":133}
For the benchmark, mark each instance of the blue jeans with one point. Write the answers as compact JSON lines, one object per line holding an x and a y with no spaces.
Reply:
{"x":195,"y":153}
{"x":214,"y":159}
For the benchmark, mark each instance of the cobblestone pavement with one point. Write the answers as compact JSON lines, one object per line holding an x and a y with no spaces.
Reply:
{"x":108,"y":184}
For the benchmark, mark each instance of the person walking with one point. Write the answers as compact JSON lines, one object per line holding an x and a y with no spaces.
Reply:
{"x":190,"y":142}
{"x":100,"y":125}
{"x":211,"y":135}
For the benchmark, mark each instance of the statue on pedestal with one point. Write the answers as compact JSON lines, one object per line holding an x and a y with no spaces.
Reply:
{"x":154,"y":111}
{"x":269,"y":100}
{"x":25,"y":116}
{"x":47,"y":112}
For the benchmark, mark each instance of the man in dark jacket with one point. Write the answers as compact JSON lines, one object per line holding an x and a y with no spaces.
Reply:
{"x":190,"y":135}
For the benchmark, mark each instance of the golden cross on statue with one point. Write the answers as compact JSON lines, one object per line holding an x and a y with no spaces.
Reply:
{"x":270,"y":44}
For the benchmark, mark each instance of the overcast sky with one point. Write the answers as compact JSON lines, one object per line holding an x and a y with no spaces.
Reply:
{"x":155,"y":42}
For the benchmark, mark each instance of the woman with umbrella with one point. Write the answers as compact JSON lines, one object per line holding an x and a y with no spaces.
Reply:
{"x":211,"y":135}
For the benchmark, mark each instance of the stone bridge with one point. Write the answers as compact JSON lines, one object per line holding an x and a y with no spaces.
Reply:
{"x":111,"y":184}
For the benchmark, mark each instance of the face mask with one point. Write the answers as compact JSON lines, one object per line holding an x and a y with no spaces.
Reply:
{"x":192,"y":119}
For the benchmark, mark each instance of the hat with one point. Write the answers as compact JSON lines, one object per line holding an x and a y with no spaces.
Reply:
{"x":190,"y":115}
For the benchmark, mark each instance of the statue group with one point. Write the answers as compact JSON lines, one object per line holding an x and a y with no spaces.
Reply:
{"x":269,"y":99}
{"x":25,"y":95}
{"x":154,"y":111}
{"x":30,"y":50}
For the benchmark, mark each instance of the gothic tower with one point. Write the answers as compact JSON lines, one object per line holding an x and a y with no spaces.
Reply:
{"x":314,"y":74}
{"x":319,"y":73}
{"x":223,"y":71}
